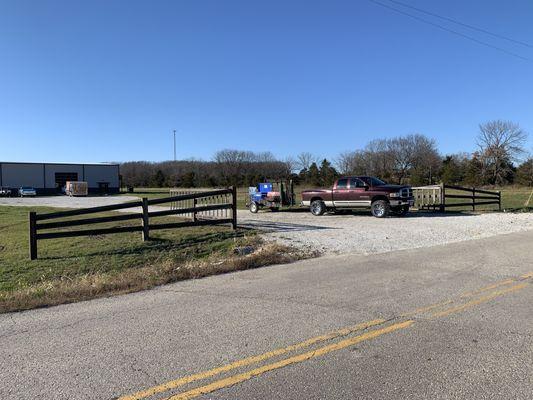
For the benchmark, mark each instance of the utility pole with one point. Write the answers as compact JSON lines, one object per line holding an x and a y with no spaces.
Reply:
{"x":174,"y":145}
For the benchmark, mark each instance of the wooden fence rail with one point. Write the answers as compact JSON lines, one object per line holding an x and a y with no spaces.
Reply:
{"x":487,"y":197}
{"x":223,"y":211}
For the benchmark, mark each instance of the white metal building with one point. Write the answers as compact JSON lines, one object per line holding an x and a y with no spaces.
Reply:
{"x":49,"y":178}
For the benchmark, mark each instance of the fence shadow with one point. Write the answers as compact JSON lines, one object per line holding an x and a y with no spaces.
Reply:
{"x":271,"y":226}
{"x":157,"y":244}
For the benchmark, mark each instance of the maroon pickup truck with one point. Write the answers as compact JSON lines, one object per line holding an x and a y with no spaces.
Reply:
{"x":360,"y":192}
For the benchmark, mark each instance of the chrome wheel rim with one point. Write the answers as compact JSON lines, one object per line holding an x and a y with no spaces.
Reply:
{"x":379,"y":210}
{"x":315,"y":208}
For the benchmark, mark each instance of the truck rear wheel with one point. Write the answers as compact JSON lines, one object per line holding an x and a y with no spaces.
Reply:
{"x":380,"y":208}
{"x":317,"y":207}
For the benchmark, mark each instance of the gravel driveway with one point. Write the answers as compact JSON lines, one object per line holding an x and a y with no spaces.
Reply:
{"x":65,"y":201}
{"x":357,"y":233}
{"x":360,"y":233}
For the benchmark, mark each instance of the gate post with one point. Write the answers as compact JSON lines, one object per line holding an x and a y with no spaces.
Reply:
{"x":234,"y":207}
{"x":473,"y":199}
{"x":33,"y":235}
{"x":499,"y":200}
{"x":145,"y":220}
{"x":442,"y":197}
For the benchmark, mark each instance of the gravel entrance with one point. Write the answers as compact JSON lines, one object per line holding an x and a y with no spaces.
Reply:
{"x":360,"y":233}
{"x":65,"y":201}
{"x":356,"y":233}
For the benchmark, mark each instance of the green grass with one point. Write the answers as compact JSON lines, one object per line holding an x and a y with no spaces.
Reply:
{"x":71,"y":269}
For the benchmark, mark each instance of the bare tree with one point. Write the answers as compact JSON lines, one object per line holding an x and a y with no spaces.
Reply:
{"x":500,"y":144}
{"x":305,"y":159}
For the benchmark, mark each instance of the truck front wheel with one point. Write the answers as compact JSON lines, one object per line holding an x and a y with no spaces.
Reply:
{"x":380,"y":208}
{"x":318,"y":207}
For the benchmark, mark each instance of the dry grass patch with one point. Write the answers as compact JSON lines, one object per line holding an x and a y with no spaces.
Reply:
{"x":79,"y":269}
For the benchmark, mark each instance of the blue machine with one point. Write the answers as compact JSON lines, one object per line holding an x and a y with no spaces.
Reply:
{"x":264,"y":195}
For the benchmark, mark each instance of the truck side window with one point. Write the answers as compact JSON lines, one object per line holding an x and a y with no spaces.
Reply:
{"x":356,"y":183}
{"x":342,"y":183}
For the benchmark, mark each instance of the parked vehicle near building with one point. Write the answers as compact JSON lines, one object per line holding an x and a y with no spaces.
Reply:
{"x":76,"y":188}
{"x":5,"y":192}
{"x":25,"y":191}
{"x":360,"y":192}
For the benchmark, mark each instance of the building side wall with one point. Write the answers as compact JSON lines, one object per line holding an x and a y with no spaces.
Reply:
{"x":102,"y":173}
{"x":42,"y":176}
{"x":17,"y":175}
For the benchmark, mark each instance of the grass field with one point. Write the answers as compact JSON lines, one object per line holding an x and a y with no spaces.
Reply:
{"x":79,"y":268}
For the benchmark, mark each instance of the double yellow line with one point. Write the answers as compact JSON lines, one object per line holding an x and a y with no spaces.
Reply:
{"x":513,"y":285}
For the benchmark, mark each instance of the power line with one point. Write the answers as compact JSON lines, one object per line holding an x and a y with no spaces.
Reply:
{"x":425,"y":21}
{"x":475,"y":28}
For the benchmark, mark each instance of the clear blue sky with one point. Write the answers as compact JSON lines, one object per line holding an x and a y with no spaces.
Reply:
{"x":109,"y":80}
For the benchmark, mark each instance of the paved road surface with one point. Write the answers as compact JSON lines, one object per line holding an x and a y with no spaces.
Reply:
{"x":446,"y":322}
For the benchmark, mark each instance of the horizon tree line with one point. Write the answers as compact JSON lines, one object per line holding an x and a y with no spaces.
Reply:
{"x":500,"y":159}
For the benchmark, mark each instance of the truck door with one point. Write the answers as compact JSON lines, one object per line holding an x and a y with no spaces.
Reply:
{"x":341,"y":194}
{"x":359,"y":195}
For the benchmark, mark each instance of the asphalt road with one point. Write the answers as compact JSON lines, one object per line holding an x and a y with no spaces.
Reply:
{"x":446,"y":322}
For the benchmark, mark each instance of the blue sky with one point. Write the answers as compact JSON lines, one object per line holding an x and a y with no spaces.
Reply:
{"x":109,"y":80}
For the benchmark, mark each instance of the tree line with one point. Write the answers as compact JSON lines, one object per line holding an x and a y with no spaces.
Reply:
{"x":500,"y":159}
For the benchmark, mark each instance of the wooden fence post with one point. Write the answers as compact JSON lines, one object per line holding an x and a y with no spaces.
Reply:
{"x":234,"y":207}
{"x":194,"y":214}
{"x":442,"y":197}
{"x":145,"y":220}
{"x":33,"y":235}
{"x":473,"y":199}
{"x":499,"y":200}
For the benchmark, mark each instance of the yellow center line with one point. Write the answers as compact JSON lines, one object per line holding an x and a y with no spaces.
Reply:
{"x":329,"y":336}
{"x":235,"y":379}
{"x":250,"y":360}
{"x":479,"y":300}
{"x":426,"y":309}
{"x":490,"y":287}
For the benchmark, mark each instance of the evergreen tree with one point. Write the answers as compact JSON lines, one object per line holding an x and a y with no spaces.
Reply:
{"x":313,"y":175}
{"x":328,"y":174}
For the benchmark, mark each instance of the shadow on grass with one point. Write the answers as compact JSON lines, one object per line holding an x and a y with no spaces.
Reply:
{"x":156,"y":244}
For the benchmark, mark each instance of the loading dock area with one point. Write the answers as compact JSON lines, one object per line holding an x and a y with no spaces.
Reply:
{"x":51,"y":178}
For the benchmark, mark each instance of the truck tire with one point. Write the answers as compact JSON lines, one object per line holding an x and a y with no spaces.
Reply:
{"x":380,"y":208}
{"x":317,"y":207}
{"x":254,"y":207}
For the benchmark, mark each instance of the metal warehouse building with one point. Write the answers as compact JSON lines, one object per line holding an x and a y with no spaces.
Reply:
{"x":49,"y":178}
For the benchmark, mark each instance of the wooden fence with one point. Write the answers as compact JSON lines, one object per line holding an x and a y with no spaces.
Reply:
{"x":428,"y":197}
{"x":221,"y":212}
{"x":436,"y":197}
{"x":476,"y":197}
